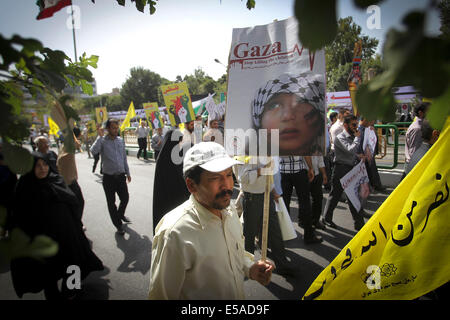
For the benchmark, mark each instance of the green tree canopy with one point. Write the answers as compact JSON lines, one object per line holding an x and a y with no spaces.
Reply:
{"x":339,"y":54}
{"x":141,"y":86}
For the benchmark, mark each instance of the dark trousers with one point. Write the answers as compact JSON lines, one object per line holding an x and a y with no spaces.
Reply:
{"x":253,"y":206}
{"x":113,"y":184}
{"x":75,"y":187}
{"x":299,"y":180}
{"x":372,"y":172}
{"x":96,"y":158}
{"x":142,"y":142}
{"x":339,"y":171}
{"x":316,"y":193}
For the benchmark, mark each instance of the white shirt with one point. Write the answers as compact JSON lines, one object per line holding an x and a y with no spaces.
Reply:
{"x":142,"y":132}
{"x":335,"y":129}
{"x":218,"y":136}
{"x":187,"y":137}
{"x":198,"y":256}
{"x":249,"y":179}
{"x":317,"y":162}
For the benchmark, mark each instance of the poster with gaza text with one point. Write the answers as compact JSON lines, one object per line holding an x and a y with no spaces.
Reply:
{"x":276,"y":93}
{"x":178,"y":103}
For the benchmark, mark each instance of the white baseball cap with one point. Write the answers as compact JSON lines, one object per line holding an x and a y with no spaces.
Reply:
{"x":210,"y":156}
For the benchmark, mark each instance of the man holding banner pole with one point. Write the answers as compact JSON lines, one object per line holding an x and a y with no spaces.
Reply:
{"x":198,"y":248}
{"x":346,"y":157}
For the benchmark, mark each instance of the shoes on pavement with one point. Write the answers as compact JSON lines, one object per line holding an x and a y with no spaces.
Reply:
{"x":126,"y":220}
{"x":329,"y":223}
{"x":120,"y":231}
{"x":313,"y":239}
{"x":285,"y":270}
{"x":359,"y":225}
{"x":319,"y":225}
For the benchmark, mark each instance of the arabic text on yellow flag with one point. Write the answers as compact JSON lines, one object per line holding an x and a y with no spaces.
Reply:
{"x":101,"y":114}
{"x":403,"y":251}
{"x":54,"y":129}
{"x":178,"y":103}
{"x":130,"y":115}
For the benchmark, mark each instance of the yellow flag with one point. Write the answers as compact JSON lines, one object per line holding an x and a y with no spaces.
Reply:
{"x":403,"y":251}
{"x":101,"y":114}
{"x":130,"y":115}
{"x":54,"y":129}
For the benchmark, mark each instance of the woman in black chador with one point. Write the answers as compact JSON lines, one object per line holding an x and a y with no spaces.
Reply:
{"x":44,"y":205}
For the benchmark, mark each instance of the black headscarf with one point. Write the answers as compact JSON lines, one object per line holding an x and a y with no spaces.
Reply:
{"x":169,"y":187}
{"x":48,"y":207}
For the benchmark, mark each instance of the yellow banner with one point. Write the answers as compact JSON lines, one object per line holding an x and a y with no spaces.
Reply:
{"x":131,"y":113}
{"x":178,"y":103}
{"x":153,"y":115}
{"x":403,"y":251}
{"x":54,"y":129}
{"x":101,"y":114}
{"x":92,"y":128}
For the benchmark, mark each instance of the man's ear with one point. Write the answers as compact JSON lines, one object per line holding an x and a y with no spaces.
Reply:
{"x":190,"y":184}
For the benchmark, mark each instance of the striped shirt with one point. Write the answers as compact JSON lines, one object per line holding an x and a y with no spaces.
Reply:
{"x":113,"y":155}
{"x":292,"y":164}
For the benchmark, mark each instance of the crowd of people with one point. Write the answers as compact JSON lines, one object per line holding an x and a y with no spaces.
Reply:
{"x":203,"y":247}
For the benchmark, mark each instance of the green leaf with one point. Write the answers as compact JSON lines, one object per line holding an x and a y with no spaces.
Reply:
{"x":121,"y":2}
{"x":317,"y":24}
{"x":251,"y":4}
{"x":19,"y":160}
{"x":439,"y":110}
{"x":42,"y":247}
{"x":152,"y":7}
{"x":140,"y":5}
{"x":375,"y":104}
{"x":87,"y":88}
{"x":20,"y":245}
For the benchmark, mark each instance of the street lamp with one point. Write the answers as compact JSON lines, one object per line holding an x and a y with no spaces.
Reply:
{"x":218,"y":61}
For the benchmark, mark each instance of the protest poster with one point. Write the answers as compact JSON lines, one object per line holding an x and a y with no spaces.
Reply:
{"x":153,"y":115}
{"x":275,"y":84}
{"x":91,"y":129}
{"x":178,"y":103}
{"x":403,"y":250}
{"x":370,"y":142}
{"x":356,"y":185}
{"x":101,"y":114}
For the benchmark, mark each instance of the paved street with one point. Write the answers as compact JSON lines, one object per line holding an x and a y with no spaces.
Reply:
{"x":127,"y":258}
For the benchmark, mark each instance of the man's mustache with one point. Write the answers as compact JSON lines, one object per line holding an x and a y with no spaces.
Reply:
{"x":224,"y":193}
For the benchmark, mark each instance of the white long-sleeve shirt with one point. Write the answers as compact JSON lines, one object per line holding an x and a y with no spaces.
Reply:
{"x":198,"y":256}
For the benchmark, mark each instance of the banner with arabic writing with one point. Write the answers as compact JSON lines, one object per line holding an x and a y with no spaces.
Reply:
{"x":403,"y":251}
{"x":178,"y":103}
{"x":153,"y":115}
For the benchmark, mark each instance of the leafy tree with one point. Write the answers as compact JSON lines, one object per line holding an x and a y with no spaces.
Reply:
{"x":141,"y":86}
{"x":27,"y":66}
{"x":410,"y":57}
{"x":444,"y":15}
{"x":339,"y":54}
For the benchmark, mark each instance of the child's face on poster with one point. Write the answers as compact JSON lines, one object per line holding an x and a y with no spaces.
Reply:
{"x":295,"y":120}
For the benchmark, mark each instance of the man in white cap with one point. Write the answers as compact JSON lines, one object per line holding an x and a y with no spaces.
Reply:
{"x":198,"y":248}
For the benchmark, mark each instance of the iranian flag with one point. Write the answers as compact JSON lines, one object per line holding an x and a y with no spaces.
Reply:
{"x":49,"y":7}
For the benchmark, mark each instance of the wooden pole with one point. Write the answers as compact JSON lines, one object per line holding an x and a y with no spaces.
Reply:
{"x":265,"y":225}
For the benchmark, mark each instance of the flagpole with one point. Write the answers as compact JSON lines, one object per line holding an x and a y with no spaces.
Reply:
{"x":73,"y":33}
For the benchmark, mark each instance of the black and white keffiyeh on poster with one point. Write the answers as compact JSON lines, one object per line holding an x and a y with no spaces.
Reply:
{"x":276,"y":93}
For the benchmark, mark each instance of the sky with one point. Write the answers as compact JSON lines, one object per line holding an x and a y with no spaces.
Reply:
{"x":180,"y":37}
